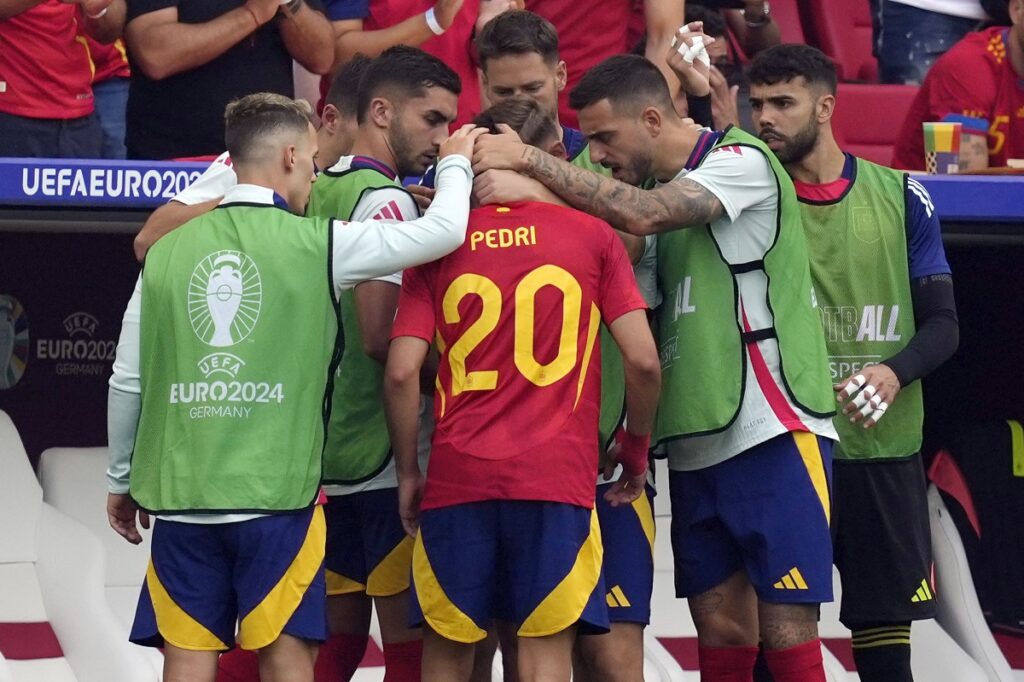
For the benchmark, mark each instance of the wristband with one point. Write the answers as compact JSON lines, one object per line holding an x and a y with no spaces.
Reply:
{"x":632,"y":451}
{"x":763,"y":20}
{"x":99,"y":15}
{"x":431,"y":18}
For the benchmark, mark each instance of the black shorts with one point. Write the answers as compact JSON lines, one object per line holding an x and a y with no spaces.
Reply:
{"x":881,"y":540}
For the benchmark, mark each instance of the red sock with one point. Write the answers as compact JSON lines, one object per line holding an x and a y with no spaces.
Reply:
{"x":339,"y":657}
{"x":402,"y":661}
{"x":800,"y":663}
{"x":727,"y":664}
{"x":238,"y":665}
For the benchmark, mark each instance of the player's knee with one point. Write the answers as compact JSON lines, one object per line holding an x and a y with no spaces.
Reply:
{"x":787,"y":625}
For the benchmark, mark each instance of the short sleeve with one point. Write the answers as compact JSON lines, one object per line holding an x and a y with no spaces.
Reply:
{"x":925,"y":252}
{"x":415,"y":316}
{"x":342,"y":10}
{"x":618,"y":292}
{"x":961,"y":83}
{"x":136,"y":8}
{"x":739,"y":177}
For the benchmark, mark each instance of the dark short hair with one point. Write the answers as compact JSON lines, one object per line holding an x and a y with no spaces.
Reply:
{"x":783,"y":63}
{"x":517,"y":32}
{"x":409,"y":70}
{"x":524,"y":115}
{"x":624,"y":80}
{"x":249,"y":120}
{"x":344,"y":90}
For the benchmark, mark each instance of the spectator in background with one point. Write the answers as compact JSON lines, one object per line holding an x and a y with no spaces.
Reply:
{"x":911,"y":34}
{"x":46,"y":100}
{"x":191,"y":57}
{"x":587,"y":36}
{"x":978,"y":83}
{"x":444,"y":29}
{"x":110,"y":93}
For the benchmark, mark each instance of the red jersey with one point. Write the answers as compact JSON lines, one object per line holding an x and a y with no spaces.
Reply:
{"x":587,"y":34}
{"x":45,"y":70}
{"x":976,"y":79}
{"x":516,"y":313}
{"x":109,"y":61}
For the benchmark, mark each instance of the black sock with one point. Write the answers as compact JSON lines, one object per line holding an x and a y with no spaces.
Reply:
{"x":882,"y":652}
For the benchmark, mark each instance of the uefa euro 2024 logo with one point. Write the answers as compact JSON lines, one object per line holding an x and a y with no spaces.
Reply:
{"x":224,"y":298}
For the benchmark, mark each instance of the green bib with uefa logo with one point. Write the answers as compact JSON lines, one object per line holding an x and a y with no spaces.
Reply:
{"x":237,"y":336}
{"x":358,"y":447}
{"x":859,"y":266}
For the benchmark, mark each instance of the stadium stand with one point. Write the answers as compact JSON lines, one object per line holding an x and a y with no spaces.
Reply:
{"x":842,"y":30}
{"x":55,"y":625}
{"x":868,"y":117}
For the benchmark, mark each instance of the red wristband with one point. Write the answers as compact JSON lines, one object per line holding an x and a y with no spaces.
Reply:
{"x":633,"y":451}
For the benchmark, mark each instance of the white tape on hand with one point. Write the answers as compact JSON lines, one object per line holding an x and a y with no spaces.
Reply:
{"x":852,"y":387}
{"x":877,"y":414}
{"x":696,"y":51}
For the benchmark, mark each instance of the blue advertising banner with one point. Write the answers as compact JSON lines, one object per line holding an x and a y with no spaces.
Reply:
{"x":59,"y":183}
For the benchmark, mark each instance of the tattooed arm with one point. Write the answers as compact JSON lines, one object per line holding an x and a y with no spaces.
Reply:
{"x":676,"y":205}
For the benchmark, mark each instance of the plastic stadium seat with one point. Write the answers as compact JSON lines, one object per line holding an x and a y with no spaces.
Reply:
{"x":843,"y":31}
{"x":787,"y":15}
{"x":55,"y":625}
{"x":959,"y":611}
{"x":74,"y":481}
{"x":868,"y":118}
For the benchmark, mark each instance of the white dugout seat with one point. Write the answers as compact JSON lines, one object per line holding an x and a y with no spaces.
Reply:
{"x":74,"y":482}
{"x":55,"y":625}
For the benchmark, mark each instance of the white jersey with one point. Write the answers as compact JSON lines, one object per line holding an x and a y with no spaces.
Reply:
{"x":214,"y":183}
{"x":362,"y":251}
{"x":967,"y":9}
{"x":743,"y":182}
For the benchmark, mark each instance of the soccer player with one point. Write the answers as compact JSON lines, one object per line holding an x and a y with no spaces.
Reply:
{"x":519,"y":57}
{"x":216,"y":407}
{"x":886,"y":297}
{"x":747,"y":403}
{"x":507,"y":529}
{"x":407,"y":100}
{"x":334,"y":139}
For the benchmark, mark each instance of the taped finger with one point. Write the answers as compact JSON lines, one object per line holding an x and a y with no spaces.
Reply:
{"x":853,"y":386}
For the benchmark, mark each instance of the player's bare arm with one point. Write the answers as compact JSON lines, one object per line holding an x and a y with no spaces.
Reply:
{"x":168,"y":218}
{"x":376,"y":303}
{"x":307,"y":35}
{"x":676,"y":205}
{"x":401,"y":407}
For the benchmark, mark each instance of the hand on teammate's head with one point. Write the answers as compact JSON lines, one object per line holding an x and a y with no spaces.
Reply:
{"x":502,"y":152}
{"x":461,"y":141}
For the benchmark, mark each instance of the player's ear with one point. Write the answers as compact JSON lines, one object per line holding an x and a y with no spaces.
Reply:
{"x":651,"y":118}
{"x":558,"y":150}
{"x":330,"y":118}
{"x":290,"y":156}
{"x":825,"y":106}
{"x":561,"y":75}
{"x":382,"y":111}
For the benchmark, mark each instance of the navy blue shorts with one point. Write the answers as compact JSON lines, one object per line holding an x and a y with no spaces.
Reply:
{"x":627,"y":533}
{"x":534,"y":564}
{"x":765,"y":511}
{"x":265,"y":574}
{"x":368,"y":550}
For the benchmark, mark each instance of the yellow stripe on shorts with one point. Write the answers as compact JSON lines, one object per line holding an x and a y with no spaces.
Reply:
{"x":565,"y":604}
{"x":807,"y":444}
{"x":175,"y":625}
{"x":642,"y":507}
{"x":391,"y":575}
{"x":263,"y":625}
{"x":443,"y":616}
{"x":338,"y":584}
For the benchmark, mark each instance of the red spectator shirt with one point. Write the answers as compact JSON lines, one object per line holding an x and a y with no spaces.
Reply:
{"x":45,"y":70}
{"x":588,"y":32}
{"x":516,"y":313}
{"x":109,"y":61}
{"x":976,"y":79}
{"x":454,"y":47}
